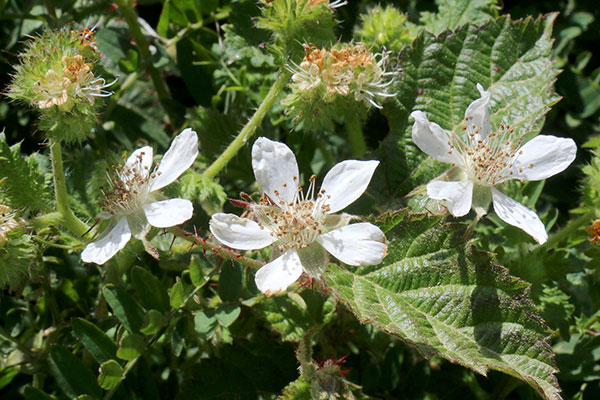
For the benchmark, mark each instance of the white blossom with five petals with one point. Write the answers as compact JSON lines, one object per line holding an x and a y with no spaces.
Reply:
{"x":133,"y":204}
{"x":485,"y":159}
{"x":302,"y":228}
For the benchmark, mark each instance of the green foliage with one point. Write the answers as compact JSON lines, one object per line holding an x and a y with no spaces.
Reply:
{"x":454,"y":13}
{"x":24,"y":183}
{"x":444,"y":298}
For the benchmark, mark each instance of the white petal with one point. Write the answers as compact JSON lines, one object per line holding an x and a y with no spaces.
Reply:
{"x":432,"y":139}
{"x":546,"y":155}
{"x":514,"y":213}
{"x":179,"y":157}
{"x":275,"y":169}
{"x":239,"y":233}
{"x":356,"y":244}
{"x":346,"y":182}
{"x":479,"y":111}
{"x":458,"y":195}
{"x":280,"y":273}
{"x":138,"y":164}
{"x":102,"y":250}
{"x":165,"y":213}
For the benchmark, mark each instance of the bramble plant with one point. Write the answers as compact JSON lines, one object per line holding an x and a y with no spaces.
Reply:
{"x":292,"y":131}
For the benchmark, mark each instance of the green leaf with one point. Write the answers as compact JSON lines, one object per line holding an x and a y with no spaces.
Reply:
{"x":226,"y":314}
{"x":150,"y":290}
{"x":111,"y":374}
{"x":230,"y":282}
{"x":511,"y":59}
{"x":177,"y":294}
{"x":24,"y":185}
{"x":124,"y":307}
{"x":32,"y":393}
{"x":454,"y":13}
{"x":293,"y":315}
{"x":444,"y":298}
{"x":197,"y":275}
{"x":131,"y":347}
{"x":73,"y":377}
{"x":100,"y":346}
{"x":153,"y":321}
{"x":205,"y":323}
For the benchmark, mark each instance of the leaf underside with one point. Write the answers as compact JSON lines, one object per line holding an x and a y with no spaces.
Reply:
{"x":444,"y":298}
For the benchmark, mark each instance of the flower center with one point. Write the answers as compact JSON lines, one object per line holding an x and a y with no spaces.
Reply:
{"x":129,"y":188}
{"x":297,"y":224}
{"x":488,"y":160}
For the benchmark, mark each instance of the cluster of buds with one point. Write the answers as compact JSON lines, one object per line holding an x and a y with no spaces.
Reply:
{"x":387,"y":27}
{"x":328,"y":84}
{"x":55,"y":75}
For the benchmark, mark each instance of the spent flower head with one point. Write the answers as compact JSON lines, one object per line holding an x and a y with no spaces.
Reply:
{"x":330,"y":83}
{"x":132,"y":203}
{"x":56,"y":75}
{"x":302,"y":227}
{"x":482,"y":159}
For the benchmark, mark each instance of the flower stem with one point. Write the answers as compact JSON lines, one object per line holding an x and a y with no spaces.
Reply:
{"x":157,"y":79}
{"x":69,"y":219}
{"x":250,"y":128}
{"x":571,"y":227}
{"x":304,"y":354}
{"x":355,"y":136}
{"x":220,"y":251}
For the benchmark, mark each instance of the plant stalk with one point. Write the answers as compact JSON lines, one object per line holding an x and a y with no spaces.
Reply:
{"x":356,"y":138}
{"x":250,"y":128}
{"x":69,"y":219}
{"x":157,"y":79}
{"x":571,"y":227}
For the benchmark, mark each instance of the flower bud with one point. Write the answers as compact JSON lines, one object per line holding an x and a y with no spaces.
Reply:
{"x":55,"y":75}
{"x":329,"y":84}
{"x":386,"y":27}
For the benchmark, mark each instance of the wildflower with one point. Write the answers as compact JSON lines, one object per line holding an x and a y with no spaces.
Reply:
{"x":594,"y":232}
{"x":133,"y":205}
{"x":352,"y":70}
{"x":485,"y":159}
{"x":302,"y":228}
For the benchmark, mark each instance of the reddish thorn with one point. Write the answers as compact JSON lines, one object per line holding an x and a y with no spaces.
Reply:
{"x":239,"y":203}
{"x":214,"y":284}
{"x":172,"y":242}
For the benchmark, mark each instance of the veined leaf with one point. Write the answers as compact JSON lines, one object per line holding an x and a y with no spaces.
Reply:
{"x":444,"y":298}
{"x":124,"y":307}
{"x":73,"y":377}
{"x":453,"y":13}
{"x":511,"y":59}
{"x":100,"y":346}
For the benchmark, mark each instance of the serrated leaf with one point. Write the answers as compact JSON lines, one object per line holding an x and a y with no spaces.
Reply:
{"x":226,"y":314}
{"x":293,"y":315}
{"x":111,"y":373}
{"x":100,"y":346}
{"x":511,"y":59}
{"x":23,"y":183}
{"x":124,"y":307}
{"x":453,"y":13}
{"x":131,"y":347}
{"x":149,"y":289}
{"x":444,"y":298}
{"x":73,"y":377}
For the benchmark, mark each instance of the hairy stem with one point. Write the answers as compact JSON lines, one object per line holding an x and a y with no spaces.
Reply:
{"x":571,"y":227}
{"x":250,"y":128}
{"x":157,"y":79}
{"x":356,"y":138}
{"x":69,"y":220}
{"x":304,"y":354}
{"x":225,"y":253}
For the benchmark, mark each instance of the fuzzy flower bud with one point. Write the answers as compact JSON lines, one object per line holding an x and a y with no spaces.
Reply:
{"x":55,"y":75}
{"x":386,"y":27}
{"x":329,"y":84}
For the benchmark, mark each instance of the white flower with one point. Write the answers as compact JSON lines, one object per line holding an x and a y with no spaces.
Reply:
{"x":302,"y":228}
{"x":484,"y":159}
{"x":133,"y":203}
